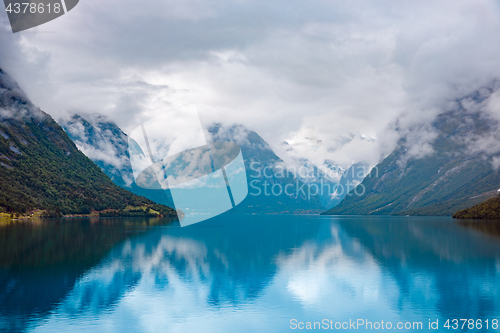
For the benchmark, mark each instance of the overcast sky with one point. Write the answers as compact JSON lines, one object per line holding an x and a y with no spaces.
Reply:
{"x":337,"y":71}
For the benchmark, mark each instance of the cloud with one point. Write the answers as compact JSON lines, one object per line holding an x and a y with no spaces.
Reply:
{"x":495,"y":163}
{"x":344,"y":71}
{"x":101,"y":142}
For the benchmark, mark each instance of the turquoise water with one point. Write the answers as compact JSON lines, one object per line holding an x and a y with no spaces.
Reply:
{"x":248,"y":274}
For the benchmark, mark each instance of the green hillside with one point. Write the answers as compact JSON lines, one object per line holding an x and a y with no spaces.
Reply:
{"x":41,"y":168}
{"x":488,"y":210}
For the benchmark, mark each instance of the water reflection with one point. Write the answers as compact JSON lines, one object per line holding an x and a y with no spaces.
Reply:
{"x":489,"y":227}
{"x":255,"y":273}
{"x":41,"y":260}
{"x":454,"y":270}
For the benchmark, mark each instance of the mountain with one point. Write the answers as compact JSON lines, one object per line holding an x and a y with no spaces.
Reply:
{"x":460,"y":171}
{"x":326,"y":176}
{"x":335,"y":181}
{"x":272,"y":186}
{"x":42,"y":169}
{"x":104,"y":143}
{"x":349,"y":179}
{"x":488,"y":210}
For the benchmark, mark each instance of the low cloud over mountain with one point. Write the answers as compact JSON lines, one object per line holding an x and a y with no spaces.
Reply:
{"x":359,"y":75}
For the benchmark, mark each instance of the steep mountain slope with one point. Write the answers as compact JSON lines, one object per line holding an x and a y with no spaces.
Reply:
{"x":350,"y":178}
{"x":103,"y":142}
{"x":458,"y":174}
{"x":107,"y":146}
{"x":488,"y":210}
{"x":41,"y":168}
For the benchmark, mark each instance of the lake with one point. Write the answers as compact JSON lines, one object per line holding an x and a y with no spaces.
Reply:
{"x":249,"y":273}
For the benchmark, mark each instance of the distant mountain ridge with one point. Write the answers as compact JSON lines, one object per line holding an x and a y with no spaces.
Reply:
{"x":328,"y":175}
{"x":103,"y":142}
{"x":265,"y":171}
{"x":455,"y":176}
{"x":42,"y":169}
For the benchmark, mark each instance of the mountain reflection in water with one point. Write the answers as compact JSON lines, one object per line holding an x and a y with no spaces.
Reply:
{"x":243,"y":273}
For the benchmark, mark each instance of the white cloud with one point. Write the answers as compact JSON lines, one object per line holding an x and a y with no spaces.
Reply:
{"x":342,"y":70}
